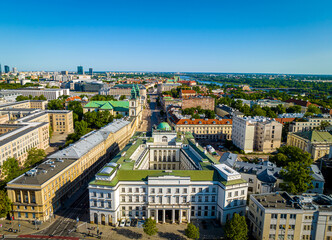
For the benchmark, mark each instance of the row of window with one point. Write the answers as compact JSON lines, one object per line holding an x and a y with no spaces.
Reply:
{"x":169,"y":190}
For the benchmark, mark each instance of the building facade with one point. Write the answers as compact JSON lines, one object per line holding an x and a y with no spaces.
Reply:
{"x":256,"y":134}
{"x":283,"y":216}
{"x":38,"y":193}
{"x":167,"y":178}
{"x":317,"y":143}
{"x":309,"y":124}
{"x":214,"y":129}
{"x":49,"y":93}
{"x":202,"y":101}
{"x":123,"y":89}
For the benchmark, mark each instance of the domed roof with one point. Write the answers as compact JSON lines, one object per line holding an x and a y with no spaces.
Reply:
{"x":164,"y":126}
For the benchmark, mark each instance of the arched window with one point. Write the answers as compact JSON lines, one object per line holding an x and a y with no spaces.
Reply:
{"x":132,"y":104}
{"x":164,"y":139}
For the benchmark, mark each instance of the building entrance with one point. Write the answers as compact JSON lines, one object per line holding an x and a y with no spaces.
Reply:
{"x":168,"y":216}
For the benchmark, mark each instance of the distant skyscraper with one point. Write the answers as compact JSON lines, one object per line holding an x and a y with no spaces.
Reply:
{"x":80,"y":70}
{"x":64,"y":72}
{"x":0,"y":70}
{"x":14,"y":70}
{"x":7,"y":69}
{"x":91,"y":71}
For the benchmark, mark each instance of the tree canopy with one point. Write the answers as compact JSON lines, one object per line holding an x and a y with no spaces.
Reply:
{"x":5,"y":204}
{"x":192,"y":231}
{"x":236,"y":228}
{"x":296,"y":176}
{"x":34,"y":156}
{"x":55,"y":104}
{"x":149,"y":227}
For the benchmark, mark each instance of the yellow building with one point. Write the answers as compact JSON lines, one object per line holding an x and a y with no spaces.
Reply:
{"x":317,"y":143}
{"x":287,"y":217}
{"x":41,"y":191}
{"x":206,"y":128}
{"x":61,"y":120}
{"x":33,"y":104}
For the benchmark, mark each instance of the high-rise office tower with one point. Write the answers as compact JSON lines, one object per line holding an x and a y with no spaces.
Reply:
{"x":14,"y":70}
{"x":7,"y":70}
{"x":0,"y":70}
{"x":91,"y":71}
{"x":64,"y":72}
{"x":80,"y":70}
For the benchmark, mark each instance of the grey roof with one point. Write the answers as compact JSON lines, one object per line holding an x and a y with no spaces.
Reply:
{"x":89,"y":141}
{"x":316,"y":173}
{"x":265,"y":171}
{"x":228,"y":158}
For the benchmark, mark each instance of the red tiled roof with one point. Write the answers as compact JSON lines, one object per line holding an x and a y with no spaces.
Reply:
{"x":73,"y":98}
{"x":284,"y":120}
{"x":203,"y":121}
{"x":188,"y":91}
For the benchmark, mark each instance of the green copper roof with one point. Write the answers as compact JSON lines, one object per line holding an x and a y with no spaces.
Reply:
{"x":316,"y":136}
{"x":164,"y":126}
{"x":119,"y":106}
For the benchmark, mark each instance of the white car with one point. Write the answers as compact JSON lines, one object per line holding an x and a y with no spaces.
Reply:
{"x":122,"y":223}
{"x":128,"y":222}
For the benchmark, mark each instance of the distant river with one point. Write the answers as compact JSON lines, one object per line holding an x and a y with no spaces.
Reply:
{"x":204,"y":82}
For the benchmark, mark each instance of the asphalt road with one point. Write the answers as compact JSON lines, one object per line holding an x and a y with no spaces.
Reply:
{"x":155,"y":111}
{"x":66,"y":223}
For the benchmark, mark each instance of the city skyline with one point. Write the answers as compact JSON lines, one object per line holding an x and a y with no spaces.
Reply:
{"x":219,"y":37}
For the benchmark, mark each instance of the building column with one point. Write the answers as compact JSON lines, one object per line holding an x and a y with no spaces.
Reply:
{"x":29,"y":200}
{"x":21,"y":194}
{"x":173,"y":216}
{"x":148,"y":213}
{"x":188,"y":216}
{"x":164,"y":216}
{"x":106,"y":219}
{"x":180,"y":216}
{"x":156,"y":215}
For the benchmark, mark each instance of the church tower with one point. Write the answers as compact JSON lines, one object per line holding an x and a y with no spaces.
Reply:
{"x":133,"y":103}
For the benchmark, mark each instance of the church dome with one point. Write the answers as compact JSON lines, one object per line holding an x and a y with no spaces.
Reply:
{"x":164,"y":126}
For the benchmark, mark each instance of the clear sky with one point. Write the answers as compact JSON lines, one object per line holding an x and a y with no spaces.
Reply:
{"x":270,"y":36}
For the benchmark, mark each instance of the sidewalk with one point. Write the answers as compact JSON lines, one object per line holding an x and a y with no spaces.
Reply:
{"x":25,"y":227}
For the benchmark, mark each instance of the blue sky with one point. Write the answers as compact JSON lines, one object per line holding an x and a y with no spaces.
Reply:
{"x":187,"y":36}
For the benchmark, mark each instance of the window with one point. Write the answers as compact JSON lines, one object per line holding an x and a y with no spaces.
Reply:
{"x":168,"y":190}
{"x":242,"y":192}
{"x":123,"y":190}
{"x":193,"y":198}
{"x":273,"y":226}
{"x":230,"y":194}
{"x":199,"y":198}
{"x":206,"y":198}
{"x":164,"y":139}
{"x":213,"y":190}
{"x":283,"y":216}
{"x":137,"y":190}
{"x":160,"y":190}
{"x":200,"y":189}
{"x":177,"y":190}
{"x":213,"y":199}
{"x":152,"y":190}
{"x":123,"y":199}
{"x":193,"y":190}
{"x":109,"y":195}
{"x":101,"y":195}
{"x":274,"y":216}
{"x":130,"y":190}
{"x":207,"y":190}
{"x":185,"y":190}
{"x":292,"y":216}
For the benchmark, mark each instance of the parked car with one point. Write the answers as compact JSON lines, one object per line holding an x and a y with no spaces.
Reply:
{"x":122,"y":223}
{"x":134,"y":222}
{"x":128,"y":222}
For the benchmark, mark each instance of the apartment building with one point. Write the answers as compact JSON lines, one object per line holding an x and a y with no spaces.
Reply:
{"x":308,"y":124}
{"x":317,"y":143}
{"x":256,"y":134}
{"x":167,"y":87}
{"x":49,"y":93}
{"x":17,"y":139}
{"x":28,"y":104}
{"x":38,"y":193}
{"x":290,"y":217}
{"x":204,"y":102}
{"x":187,"y":93}
{"x":214,"y":129}
{"x":61,"y":120}
{"x":169,"y":178}
{"x":123,"y":89}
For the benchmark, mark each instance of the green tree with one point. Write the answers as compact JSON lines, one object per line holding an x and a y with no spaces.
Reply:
{"x":236,"y":228}
{"x":81,"y":128}
{"x":34,"y":156}
{"x":324,"y":124}
{"x":5,"y":204}
{"x":149,"y":227}
{"x":294,"y":109}
{"x":192,"y":231}
{"x":296,"y":176}
{"x":77,"y":109}
{"x":122,"y":97}
{"x":10,"y":169}
{"x":314,"y":109}
{"x":55,"y":104}
{"x":21,"y":98}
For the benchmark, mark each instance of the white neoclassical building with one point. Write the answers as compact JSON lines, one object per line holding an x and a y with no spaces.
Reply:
{"x":169,"y":178}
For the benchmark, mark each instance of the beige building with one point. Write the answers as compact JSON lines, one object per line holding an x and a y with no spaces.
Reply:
{"x":38,"y":193}
{"x":31,"y":104}
{"x":309,"y":124}
{"x":256,"y":134}
{"x":49,"y":93}
{"x":206,"y":128}
{"x":17,"y":139}
{"x":167,"y":87}
{"x":123,"y":89}
{"x":287,"y":217}
{"x":61,"y":120}
{"x":317,"y":143}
